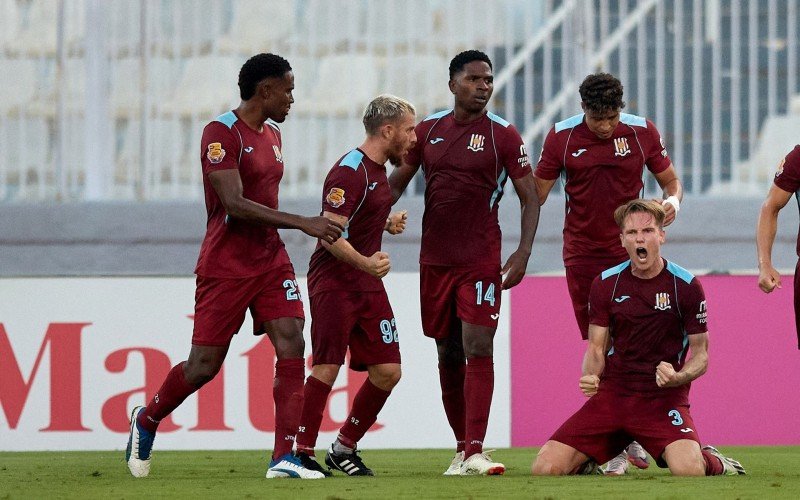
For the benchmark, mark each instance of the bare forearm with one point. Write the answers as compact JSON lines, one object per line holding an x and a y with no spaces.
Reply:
{"x":693,"y":368}
{"x":250,"y":211}
{"x":673,"y":188}
{"x":765,"y":235}
{"x":344,"y":251}
{"x":594,"y":361}
{"x":529,"y":223}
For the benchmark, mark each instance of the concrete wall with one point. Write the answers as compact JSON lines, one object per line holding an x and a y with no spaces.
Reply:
{"x":125,"y":239}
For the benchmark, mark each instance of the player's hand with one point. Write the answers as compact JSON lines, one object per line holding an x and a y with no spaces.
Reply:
{"x":669,"y":218}
{"x":514,"y":270}
{"x":396,"y":223}
{"x":378,"y":264}
{"x":769,"y":279}
{"x":322,"y":228}
{"x":666,"y":376}
{"x":589,"y":385}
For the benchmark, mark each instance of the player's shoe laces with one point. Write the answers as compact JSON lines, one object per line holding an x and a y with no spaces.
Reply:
{"x":349,"y":463}
{"x":617,"y":466}
{"x":455,"y":465}
{"x":289,"y":466}
{"x":311,"y":463}
{"x":637,"y":456}
{"x":480,"y":464}
{"x":140,"y":444}
{"x":730,"y":466}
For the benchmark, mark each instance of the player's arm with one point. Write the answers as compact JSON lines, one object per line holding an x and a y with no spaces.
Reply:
{"x":228,"y":185}
{"x":543,"y":187}
{"x":396,"y":222}
{"x":673,"y":192}
{"x":594,"y":361}
{"x":696,"y":365}
{"x":517,"y":263}
{"x":768,"y":276}
{"x":399,"y":179}
{"x":377,"y":264}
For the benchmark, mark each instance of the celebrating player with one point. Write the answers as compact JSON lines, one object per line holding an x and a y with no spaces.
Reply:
{"x":636,"y":372}
{"x":467,"y":154}
{"x":349,"y":305}
{"x":786,"y":184}
{"x":602,"y":153}
{"x":243,"y":264}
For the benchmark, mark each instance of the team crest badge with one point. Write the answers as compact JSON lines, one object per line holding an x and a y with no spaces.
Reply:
{"x":476,"y":142}
{"x":662,"y":301}
{"x":278,"y":155}
{"x":621,"y":147}
{"x":215,"y":153}
{"x":335,"y":198}
{"x":780,"y":168}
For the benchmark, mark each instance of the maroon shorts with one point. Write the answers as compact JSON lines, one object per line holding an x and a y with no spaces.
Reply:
{"x":221,"y":303}
{"x":450,"y":294}
{"x":363,"y":321}
{"x":608,"y":422}
{"x":579,"y":283}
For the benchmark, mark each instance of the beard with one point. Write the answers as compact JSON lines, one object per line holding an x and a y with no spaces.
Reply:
{"x":395,"y":159}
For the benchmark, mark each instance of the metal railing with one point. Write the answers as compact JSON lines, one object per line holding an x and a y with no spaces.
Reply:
{"x":116,"y":112}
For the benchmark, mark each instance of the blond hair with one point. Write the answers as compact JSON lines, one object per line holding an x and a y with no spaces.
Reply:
{"x":640,"y":206}
{"x":385,"y":108}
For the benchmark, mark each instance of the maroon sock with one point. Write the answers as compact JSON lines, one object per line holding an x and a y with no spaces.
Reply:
{"x":174,"y":390}
{"x":315,"y":397}
{"x":451,"y":379}
{"x":478,"y":389}
{"x":366,"y":405}
{"x":713,"y":464}
{"x":287,"y":393}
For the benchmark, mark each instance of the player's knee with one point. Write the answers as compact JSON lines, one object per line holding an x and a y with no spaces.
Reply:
{"x":385,"y":377}
{"x":547,"y":464}
{"x":289,"y":346}
{"x":543,"y":466}
{"x":688,"y":467}
{"x":200,"y":373}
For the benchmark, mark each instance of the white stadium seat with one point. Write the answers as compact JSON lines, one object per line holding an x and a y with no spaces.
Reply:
{"x":208,"y":86}
{"x":257,"y":26}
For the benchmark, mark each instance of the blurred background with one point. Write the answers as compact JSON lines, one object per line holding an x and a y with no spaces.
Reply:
{"x":103,"y":103}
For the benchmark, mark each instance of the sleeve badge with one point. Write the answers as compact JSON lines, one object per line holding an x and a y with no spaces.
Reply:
{"x":335,"y":197}
{"x":780,"y":168}
{"x":215,"y":152}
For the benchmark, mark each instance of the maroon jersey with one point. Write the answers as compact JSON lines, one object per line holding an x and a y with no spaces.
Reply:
{"x":788,"y":178}
{"x":599,"y":175}
{"x":466,"y":166}
{"x":235,"y":248}
{"x":649,"y":322}
{"x":357,"y":188}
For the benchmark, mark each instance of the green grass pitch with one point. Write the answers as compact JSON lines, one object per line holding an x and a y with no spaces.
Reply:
{"x":773,"y":472}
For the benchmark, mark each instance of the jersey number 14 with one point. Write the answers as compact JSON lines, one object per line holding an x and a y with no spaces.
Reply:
{"x":484,"y":297}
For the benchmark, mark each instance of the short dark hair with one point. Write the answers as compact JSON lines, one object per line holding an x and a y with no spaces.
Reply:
{"x":602,"y":92}
{"x":655,"y":209}
{"x":257,"y":68}
{"x":466,"y":57}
